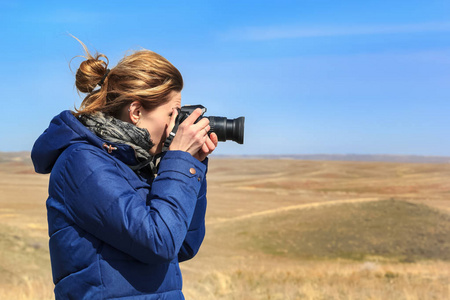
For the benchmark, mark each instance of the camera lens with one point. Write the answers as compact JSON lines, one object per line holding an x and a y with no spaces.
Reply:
{"x":228,"y":129}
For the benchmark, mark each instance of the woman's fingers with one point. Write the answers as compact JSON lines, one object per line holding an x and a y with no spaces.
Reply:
{"x":204,"y":122}
{"x":193,"y":117}
{"x":210,"y":144}
{"x":207,"y":129}
{"x":208,"y":147}
{"x":205,"y":148}
{"x":214,"y":138}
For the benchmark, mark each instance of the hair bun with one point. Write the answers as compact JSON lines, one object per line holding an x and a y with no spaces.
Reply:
{"x":90,"y":73}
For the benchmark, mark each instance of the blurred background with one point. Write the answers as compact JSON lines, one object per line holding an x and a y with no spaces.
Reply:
{"x":365,"y":77}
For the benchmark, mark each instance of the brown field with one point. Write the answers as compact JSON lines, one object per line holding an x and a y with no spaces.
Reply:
{"x":276,"y":229}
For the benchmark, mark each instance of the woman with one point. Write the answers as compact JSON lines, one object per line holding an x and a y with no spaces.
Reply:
{"x":119,"y":223}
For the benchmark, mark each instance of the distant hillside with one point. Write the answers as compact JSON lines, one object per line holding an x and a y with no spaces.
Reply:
{"x":24,"y":157}
{"x":391,"y":229}
{"x":350,"y":157}
{"x":16,"y":157}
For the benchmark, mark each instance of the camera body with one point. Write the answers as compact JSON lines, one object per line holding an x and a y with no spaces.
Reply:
{"x":226,"y":129}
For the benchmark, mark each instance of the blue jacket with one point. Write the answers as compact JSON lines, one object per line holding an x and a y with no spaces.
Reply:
{"x":113,"y":233}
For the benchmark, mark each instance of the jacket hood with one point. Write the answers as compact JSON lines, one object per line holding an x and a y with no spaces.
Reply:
{"x":65,"y":130}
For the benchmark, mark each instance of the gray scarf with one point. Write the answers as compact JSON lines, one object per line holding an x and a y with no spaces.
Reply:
{"x":117,"y":131}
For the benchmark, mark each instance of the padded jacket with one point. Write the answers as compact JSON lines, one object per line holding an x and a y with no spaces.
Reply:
{"x":115,"y":233}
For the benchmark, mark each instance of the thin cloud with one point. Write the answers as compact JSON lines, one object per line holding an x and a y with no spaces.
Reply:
{"x":294,"y":32}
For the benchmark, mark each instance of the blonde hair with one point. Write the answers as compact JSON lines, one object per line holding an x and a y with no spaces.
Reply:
{"x":143,"y":76}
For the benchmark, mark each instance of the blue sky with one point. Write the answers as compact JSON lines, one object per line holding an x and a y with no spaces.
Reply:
{"x":336,"y":77}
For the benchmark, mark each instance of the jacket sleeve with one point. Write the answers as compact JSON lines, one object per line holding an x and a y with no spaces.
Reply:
{"x":102,"y":201}
{"x":196,"y":230}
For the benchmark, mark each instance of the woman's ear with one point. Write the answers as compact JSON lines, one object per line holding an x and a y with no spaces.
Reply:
{"x":134,"y":112}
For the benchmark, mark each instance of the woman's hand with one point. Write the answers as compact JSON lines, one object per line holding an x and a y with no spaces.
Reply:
{"x":193,"y":138}
{"x":208,"y":147}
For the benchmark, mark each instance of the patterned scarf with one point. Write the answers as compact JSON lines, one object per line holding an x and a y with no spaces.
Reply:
{"x":117,"y":131}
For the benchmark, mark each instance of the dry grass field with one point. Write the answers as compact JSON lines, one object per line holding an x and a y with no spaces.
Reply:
{"x":276,"y":229}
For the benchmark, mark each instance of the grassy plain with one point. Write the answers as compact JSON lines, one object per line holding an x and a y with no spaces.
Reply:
{"x":276,"y":229}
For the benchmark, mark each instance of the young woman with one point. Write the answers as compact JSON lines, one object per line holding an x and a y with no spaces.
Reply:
{"x":119,"y":222}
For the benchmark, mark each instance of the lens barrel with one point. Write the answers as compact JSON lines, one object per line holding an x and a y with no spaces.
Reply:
{"x":228,"y":129}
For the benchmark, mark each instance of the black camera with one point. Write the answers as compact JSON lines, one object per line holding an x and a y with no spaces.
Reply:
{"x":226,"y":129}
